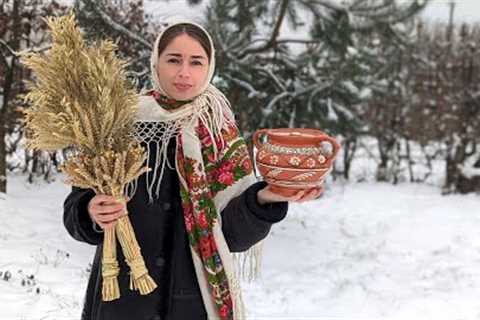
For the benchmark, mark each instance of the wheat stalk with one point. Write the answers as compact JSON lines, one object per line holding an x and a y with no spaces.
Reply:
{"x":81,"y":99}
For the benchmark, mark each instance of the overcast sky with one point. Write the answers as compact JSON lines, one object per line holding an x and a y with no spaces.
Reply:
{"x":465,"y":10}
{"x":438,"y":10}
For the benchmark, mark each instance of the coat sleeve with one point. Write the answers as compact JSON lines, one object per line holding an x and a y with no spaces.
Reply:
{"x":76,"y":219}
{"x":245,"y":222}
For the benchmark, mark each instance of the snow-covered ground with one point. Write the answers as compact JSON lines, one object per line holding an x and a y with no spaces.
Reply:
{"x":362,"y":251}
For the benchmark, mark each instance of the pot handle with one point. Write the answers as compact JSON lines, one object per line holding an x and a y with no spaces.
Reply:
{"x":256,"y":137}
{"x":335,"y":145}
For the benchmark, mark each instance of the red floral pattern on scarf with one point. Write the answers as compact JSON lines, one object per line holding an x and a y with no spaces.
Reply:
{"x":203,"y":183}
{"x":164,"y":101}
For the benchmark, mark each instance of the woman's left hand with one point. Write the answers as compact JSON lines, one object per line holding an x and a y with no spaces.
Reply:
{"x":267,"y":196}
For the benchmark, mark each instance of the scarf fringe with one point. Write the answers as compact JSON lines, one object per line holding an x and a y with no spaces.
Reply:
{"x":248,"y":264}
{"x":247,"y":267}
{"x":211,"y":108}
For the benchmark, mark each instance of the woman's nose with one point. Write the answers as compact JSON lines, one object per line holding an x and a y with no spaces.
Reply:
{"x":184,"y":71}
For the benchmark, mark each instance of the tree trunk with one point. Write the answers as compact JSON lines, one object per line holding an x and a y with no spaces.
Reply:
{"x":3,"y":158}
{"x":456,"y":181}
{"x":382,"y":169}
{"x":350,"y":148}
{"x":8,"y":94}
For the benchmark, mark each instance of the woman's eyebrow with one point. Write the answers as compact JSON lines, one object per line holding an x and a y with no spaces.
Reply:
{"x":179,"y":55}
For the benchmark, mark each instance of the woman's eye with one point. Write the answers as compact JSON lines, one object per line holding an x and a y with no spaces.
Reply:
{"x":173,"y":61}
{"x":197,"y":63}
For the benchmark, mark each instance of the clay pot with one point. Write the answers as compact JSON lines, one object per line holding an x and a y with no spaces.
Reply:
{"x":292,"y":159}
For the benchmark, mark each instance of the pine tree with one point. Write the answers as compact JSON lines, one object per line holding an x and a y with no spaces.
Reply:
{"x":128,"y":24}
{"x":317,"y":78}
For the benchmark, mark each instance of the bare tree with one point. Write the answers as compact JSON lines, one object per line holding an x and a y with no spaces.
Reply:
{"x":21,"y":30}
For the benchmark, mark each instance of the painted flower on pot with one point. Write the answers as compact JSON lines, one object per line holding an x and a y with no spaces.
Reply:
{"x":274,"y":159}
{"x":321,"y":158}
{"x":310,"y":163}
{"x":261,"y":154}
{"x":294,"y":161}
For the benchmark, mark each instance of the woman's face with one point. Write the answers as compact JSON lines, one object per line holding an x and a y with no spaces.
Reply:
{"x":182,"y":68}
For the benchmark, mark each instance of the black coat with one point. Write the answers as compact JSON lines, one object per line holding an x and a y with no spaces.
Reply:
{"x":160,"y":231}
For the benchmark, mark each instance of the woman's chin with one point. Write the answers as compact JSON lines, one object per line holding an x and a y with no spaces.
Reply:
{"x":183,"y":96}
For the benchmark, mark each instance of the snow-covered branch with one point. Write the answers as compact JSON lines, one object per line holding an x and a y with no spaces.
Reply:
{"x":290,"y":40}
{"x":117,"y":26}
{"x":269,"y":72}
{"x":274,"y":35}
{"x":333,"y":5}
{"x":23,"y":52}
{"x":253,"y":93}
{"x":270,"y":106}
{"x":468,"y":168}
{"x":6,"y":46}
{"x":262,"y":69}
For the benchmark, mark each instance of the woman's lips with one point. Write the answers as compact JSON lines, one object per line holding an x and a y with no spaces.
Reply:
{"x":182,"y":87}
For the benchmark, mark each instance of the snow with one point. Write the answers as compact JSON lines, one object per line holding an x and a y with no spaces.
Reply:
{"x":468,"y":169}
{"x":352,"y":51}
{"x":366,"y":93}
{"x":331,"y":114}
{"x":351,"y":87}
{"x":362,"y":251}
{"x":180,"y":10}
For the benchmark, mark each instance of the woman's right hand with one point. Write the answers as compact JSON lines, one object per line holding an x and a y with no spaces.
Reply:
{"x":105,"y":210}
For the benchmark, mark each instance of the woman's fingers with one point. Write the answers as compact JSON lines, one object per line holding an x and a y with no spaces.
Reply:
{"x":106,"y":209}
{"x":296,"y":197}
{"x":317,"y":192}
{"x":104,"y":199}
{"x":107,"y":225}
{"x":322,"y":189}
{"x":111,"y":216}
{"x":106,"y":218}
{"x":311,"y":194}
{"x":302,"y":194}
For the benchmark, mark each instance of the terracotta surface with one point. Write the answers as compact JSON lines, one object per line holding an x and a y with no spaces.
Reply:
{"x":290,"y":159}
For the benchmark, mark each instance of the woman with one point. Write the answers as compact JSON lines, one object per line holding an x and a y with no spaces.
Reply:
{"x":199,"y":204}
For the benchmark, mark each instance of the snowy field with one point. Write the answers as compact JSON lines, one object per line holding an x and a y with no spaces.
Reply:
{"x":362,"y":251}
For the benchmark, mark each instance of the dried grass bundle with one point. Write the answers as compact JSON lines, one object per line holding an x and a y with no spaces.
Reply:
{"x":81,"y":99}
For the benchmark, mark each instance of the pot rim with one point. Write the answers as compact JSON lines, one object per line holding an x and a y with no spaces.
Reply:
{"x":294,"y":169}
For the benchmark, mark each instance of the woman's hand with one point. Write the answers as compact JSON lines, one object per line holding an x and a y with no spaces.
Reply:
{"x":267,"y":196}
{"x":105,"y":210}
